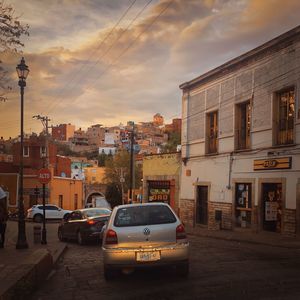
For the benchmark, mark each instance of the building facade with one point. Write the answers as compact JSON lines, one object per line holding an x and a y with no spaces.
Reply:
{"x":240,"y":142}
{"x":161,"y":178}
{"x":63,"y":132}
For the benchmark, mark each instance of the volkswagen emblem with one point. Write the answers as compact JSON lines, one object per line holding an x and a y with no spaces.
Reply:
{"x":146,"y":231}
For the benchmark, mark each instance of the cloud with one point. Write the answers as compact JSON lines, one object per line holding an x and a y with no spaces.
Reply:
{"x":84,"y":73}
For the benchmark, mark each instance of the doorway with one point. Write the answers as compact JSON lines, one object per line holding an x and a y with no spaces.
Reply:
{"x":272,"y":206}
{"x":202,"y":205}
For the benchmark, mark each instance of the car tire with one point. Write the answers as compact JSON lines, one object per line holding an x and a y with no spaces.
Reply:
{"x":80,"y":238}
{"x":65,"y":216}
{"x":61,"y":235}
{"x":183,"y":270}
{"x":38,"y":218}
{"x":109,"y":273}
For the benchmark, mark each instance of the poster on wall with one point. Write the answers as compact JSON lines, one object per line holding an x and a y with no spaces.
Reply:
{"x":159,"y":191}
{"x":271,"y":209}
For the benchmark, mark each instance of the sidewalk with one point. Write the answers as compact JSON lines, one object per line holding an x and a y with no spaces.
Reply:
{"x":247,"y":236}
{"x":22,"y":270}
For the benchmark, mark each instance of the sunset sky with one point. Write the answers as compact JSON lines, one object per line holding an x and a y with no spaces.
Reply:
{"x":111,"y":61}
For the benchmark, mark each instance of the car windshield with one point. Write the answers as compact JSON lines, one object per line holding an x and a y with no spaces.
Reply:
{"x":144,"y":215}
{"x":97,"y":212}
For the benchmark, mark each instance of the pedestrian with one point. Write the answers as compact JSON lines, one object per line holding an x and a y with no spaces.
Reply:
{"x":3,"y":216}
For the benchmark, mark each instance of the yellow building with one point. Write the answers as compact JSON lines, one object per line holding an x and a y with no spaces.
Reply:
{"x":161,"y":178}
{"x":94,"y":175}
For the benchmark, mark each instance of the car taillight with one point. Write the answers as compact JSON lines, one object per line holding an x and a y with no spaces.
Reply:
{"x":91,"y":222}
{"x":111,"y":237}
{"x":180,"y":232}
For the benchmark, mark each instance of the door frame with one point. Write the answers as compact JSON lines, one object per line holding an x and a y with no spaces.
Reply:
{"x":261,"y":181}
{"x":208,"y":185}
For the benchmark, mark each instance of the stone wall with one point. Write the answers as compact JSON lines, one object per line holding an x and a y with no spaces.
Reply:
{"x":289,"y":222}
{"x":186,"y":212}
{"x":226,"y":222}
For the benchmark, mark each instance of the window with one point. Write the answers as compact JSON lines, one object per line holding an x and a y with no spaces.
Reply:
{"x":243,"y":204}
{"x":212,"y":132}
{"x":43,"y":151}
{"x":284,"y":116}
{"x":144,"y":215}
{"x":25,"y":151}
{"x":60,"y":201}
{"x":243,"y":125}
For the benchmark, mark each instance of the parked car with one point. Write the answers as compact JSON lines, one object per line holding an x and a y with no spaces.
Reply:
{"x":144,"y":235}
{"x":84,"y":224}
{"x":51,"y":212}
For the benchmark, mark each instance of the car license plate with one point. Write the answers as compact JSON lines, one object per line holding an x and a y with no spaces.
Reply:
{"x":148,"y":256}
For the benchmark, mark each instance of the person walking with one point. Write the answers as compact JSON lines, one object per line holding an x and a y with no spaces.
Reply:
{"x":3,"y":216}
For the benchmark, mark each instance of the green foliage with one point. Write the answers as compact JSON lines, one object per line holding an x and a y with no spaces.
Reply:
{"x":11,"y":31}
{"x":113,"y":195}
{"x":118,"y":166}
{"x":173,"y":141}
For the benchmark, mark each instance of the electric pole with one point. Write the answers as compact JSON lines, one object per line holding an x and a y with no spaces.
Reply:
{"x":44,"y":120}
{"x":131,"y":162}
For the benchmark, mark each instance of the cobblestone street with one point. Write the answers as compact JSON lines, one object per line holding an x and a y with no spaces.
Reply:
{"x":219,"y":270}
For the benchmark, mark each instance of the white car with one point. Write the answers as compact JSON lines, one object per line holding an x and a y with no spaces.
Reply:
{"x":51,"y":212}
{"x":144,"y":235}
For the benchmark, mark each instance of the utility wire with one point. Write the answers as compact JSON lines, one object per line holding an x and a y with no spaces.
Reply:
{"x":54,"y":104}
{"x":78,"y":73}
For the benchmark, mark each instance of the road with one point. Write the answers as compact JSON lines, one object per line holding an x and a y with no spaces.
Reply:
{"x":219,"y":270}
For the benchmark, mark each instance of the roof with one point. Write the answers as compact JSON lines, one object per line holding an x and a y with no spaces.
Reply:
{"x":267,"y":48}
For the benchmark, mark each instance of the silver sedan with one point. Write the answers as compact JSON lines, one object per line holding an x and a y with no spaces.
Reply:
{"x":144,"y":235}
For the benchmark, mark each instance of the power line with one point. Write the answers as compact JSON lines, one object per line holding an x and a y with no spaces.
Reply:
{"x":130,"y":45}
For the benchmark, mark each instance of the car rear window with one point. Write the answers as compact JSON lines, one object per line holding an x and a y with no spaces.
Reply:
{"x":97,"y":212}
{"x":143,"y":215}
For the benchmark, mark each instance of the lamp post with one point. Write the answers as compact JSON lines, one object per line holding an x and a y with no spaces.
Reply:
{"x":22,"y":71}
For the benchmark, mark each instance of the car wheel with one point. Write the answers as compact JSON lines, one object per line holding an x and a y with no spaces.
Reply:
{"x":80,"y":238}
{"x":109,"y":273}
{"x":65,"y":216}
{"x":61,"y":235}
{"x":182,"y":270}
{"x":38,"y":218}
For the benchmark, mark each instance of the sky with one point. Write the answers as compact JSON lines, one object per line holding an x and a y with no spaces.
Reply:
{"x":112,"y":61}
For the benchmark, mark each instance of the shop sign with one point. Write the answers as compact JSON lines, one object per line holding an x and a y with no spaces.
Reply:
{"x":272,"y":164}
{"x":159,"y":190}
{"x":271,"y":209}
{"x":159,"y":195}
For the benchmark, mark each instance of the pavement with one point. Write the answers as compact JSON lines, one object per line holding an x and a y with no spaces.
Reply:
{"x":22,"y":270}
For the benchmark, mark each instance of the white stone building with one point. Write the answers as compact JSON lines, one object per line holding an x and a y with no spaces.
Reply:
{"x":240,"y":142}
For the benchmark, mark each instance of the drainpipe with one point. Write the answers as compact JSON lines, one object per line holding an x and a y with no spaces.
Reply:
{"x":230,"y":170}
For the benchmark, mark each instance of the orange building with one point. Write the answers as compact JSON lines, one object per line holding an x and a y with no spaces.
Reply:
{"x":64,"y":192}
{"x":94,"y":175}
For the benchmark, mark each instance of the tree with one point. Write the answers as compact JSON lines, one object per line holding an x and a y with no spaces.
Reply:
{"x":173,"y":141}
{"x":118,"y":166}
{"x":11,"y":31}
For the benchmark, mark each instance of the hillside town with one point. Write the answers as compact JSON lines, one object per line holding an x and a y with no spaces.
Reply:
{"x":85,"y":170}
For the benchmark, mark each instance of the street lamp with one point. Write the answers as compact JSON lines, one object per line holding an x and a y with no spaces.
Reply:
{"x":22,"y":71}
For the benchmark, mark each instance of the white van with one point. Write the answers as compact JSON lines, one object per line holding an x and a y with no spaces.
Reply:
{"x":99,"y":202}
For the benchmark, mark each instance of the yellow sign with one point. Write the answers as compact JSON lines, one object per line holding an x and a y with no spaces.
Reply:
{"x":272,"y":163}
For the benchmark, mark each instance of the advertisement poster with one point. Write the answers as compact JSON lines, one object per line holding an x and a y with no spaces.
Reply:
{"x":159,"y":195}
{"x":271,"y":209}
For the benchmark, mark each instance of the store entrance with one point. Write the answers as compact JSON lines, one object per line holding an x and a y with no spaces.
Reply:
{"x":201,"y":205}
{"x":272,"y":206}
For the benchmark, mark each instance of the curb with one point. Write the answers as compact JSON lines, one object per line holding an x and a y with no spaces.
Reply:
{"x":255,"y":242}
{"x":32,"y":272}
